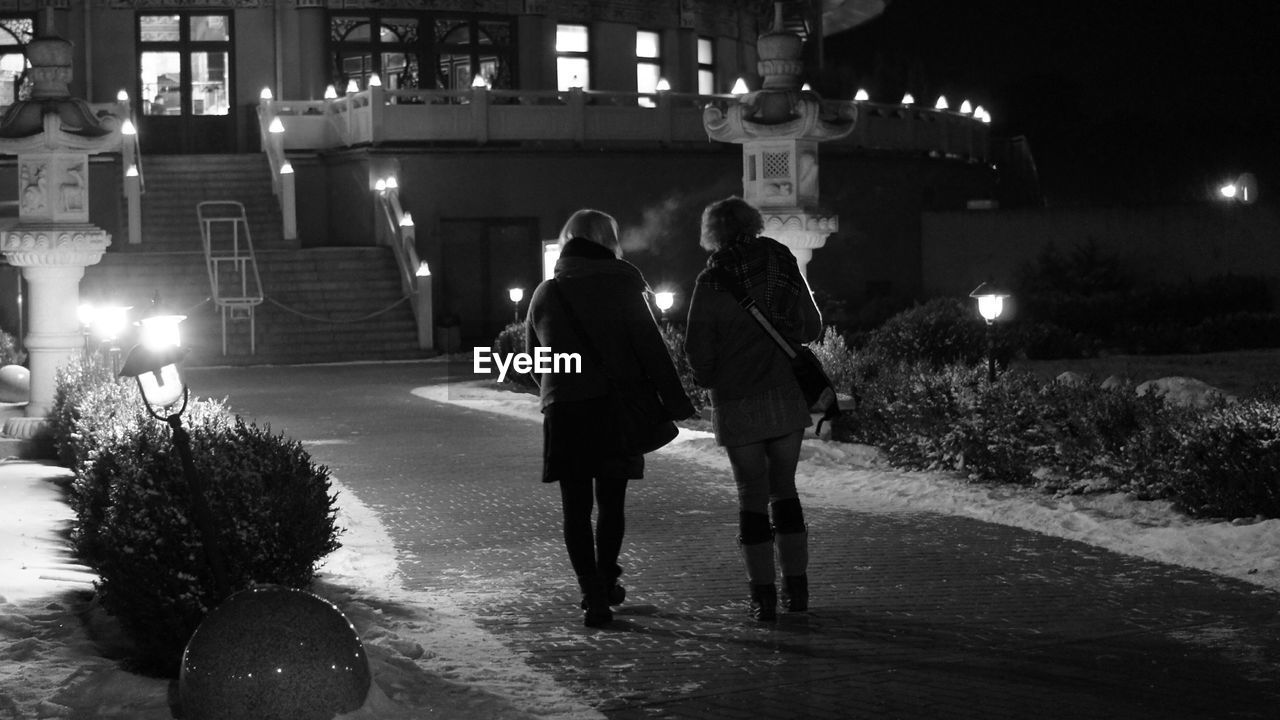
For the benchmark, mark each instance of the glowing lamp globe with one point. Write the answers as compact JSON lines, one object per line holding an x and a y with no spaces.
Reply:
{"x":273,"y":652}
{"x":664,"y":300}
{"x":516,"y":294}
{"x":990,"y":301}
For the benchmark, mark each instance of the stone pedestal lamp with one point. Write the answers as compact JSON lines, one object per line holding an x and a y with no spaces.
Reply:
{"x":779,"y":127}
{"x":53,"y":135}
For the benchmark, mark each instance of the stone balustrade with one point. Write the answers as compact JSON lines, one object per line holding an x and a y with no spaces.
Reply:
{"x":581,"y":117}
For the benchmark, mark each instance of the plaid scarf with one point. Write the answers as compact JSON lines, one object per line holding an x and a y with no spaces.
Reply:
{"x":759,"y":261}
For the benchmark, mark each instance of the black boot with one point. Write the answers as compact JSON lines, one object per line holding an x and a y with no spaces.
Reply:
{"x":595,"y":594}
{"x":795,"y":593}
{"x":617,"y":594}
{"x":764,"y":602}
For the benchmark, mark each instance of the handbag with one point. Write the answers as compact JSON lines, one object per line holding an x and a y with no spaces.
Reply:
{"x":641,"y":422}
{"x":814,"y":384}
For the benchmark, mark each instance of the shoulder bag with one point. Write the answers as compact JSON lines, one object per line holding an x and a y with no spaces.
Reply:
{"x":810,"y":376}
{"x":642,"y":422}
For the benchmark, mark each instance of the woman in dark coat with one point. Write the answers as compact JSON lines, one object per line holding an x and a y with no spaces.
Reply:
{"x":608,"y":297}
{"x":759,"y":410}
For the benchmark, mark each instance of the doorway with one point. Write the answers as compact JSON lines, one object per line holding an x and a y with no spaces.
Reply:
{"x":480,"y":261}
{"x":185,"y":98}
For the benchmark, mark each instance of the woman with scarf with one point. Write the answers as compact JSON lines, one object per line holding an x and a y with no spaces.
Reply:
{"x":597,"y":294}
{"x":759,"y":411}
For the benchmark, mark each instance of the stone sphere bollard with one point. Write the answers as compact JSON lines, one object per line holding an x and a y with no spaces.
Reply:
{"x":15,"y":384}
{"x":273,"y":652}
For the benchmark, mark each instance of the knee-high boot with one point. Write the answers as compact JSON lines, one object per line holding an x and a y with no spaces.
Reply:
{"x":793,"y":559}
{"x":792,"y":540}
{"x":756,"y":544}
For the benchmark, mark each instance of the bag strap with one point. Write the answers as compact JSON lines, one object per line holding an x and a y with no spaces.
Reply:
{"x":749,"y":304}
{"x":576,"y":325}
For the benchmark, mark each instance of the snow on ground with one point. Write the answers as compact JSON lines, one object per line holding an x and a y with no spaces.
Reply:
{"x":58,"y":651}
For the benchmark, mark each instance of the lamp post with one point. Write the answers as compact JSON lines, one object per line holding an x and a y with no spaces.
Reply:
{"x":516,"y":294}
{"x":664,"y":299}
{"x":990,"y":306}
{"x":154,"y":365}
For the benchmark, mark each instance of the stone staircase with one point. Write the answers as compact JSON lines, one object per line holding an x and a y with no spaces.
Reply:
{"x":321,"y":305}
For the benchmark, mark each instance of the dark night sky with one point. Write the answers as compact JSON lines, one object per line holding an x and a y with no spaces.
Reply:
{"x":1125,"y":101}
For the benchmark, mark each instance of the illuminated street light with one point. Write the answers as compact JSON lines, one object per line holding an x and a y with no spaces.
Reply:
{"x":861,"y":96}
{"x":907,"y":99}
{"x":516,"y":294}
{"x":740,"y":87}
{"x":990,"y":307}
{"x":664,"y":299}
{"x":155,"y":369}
{"x":1243,"y":189}
{"x":330,"y":93}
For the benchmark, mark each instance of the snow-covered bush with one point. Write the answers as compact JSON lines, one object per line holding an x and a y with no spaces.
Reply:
{"x":1220,"y":462}
{"x":673,"y":336}
{"x":89,"y":401}
{"x":273,"y":515}
{"x":512,"y":340}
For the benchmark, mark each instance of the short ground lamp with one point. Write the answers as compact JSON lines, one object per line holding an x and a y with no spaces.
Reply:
{"x":516,"y":294}
{"x":664,"y":299}
{"x":990,"y":306}
{"x":153,"y":363}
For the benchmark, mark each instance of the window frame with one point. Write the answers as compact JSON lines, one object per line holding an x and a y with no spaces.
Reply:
{"x":655,"y":63}
{"x":707,"y":67}
{"x":585,"y":55}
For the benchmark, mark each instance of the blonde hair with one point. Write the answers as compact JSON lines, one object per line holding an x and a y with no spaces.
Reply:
{"x":726,"y":221}
{"x":598,"y":227}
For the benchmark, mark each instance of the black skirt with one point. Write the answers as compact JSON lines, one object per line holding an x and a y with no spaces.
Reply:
{"x":577,"y":437}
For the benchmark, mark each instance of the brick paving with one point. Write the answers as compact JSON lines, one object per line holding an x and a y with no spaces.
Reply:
{"x":914,"y":615}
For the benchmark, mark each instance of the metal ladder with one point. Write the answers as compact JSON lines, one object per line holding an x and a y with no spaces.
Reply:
{"x":233,"y":270}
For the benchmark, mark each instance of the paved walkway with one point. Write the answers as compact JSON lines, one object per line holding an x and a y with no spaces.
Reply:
{"x":913,"y":615}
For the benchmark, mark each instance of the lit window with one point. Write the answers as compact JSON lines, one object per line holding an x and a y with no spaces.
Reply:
{"x":706,"y":66}
{"x":648,"y":64}
{"x":573,"y":60}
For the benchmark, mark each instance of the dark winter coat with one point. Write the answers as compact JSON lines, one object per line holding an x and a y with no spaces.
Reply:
{"x":608,"y":296}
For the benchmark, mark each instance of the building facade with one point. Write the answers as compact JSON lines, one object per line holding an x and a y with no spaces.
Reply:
{"x":498,"y":118}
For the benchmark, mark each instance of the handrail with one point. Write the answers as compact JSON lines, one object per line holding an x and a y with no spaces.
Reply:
{"x":398,"y":231}
{"x":282,"y":182}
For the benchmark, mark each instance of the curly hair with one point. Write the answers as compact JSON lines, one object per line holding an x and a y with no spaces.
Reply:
{"x":725,"y":221}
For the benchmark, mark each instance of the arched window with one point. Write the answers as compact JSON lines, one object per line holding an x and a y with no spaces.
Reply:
{"x":15,"y":33}
{"x":396,"y":46}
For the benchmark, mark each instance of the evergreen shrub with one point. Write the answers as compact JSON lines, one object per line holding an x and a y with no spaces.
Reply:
{"x":273,"y":512}
{"x":89,"y":404}
{"x":512,"y":340}
{"x":939,"y":332}
{"x":10,"y":352}
{"x":673,"y":336}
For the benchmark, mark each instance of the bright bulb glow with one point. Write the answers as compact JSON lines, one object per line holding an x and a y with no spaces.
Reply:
{"x":127,"y":128}
{"x":907,"y":99}
{"x":1229,"y":190}
{"x":966,"y":108}
{"x":352,"y":86}
{"x":122,"y":96}
{"x":109,"y":322}
{"x":85,"y":313}
{"x":161,"y":388}
{"x":375,"y":81}
{"x":662,"y":85}
{"x":479,"y":82}
{"x":265,"y":94}
{"x":161,"y":331}
{"x":276,"y":126}
{"x":664,"y":300}
{"x":740,"y":87}
{"x":330,"y":93}
{"x":286,"y":169}
{"x":516,"y":294}
{"x":990,"y":306}
{"x":392,"y":183}
{"x":806,"y":87}
{"x":861,"y":95}
{"x":132,"y":171}
{"x":941,"y":104}
{"x":406,"y":220}
{"x":423,"y":270}
{"x":380,"y":185}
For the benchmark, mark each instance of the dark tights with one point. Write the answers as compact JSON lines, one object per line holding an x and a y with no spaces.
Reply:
{"x":594,"y":553}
